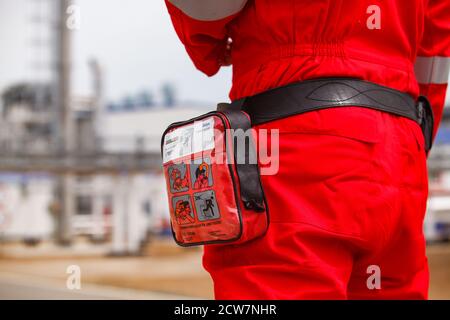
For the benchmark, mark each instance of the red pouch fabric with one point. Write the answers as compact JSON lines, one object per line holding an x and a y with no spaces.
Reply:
{"x":209,"y":204}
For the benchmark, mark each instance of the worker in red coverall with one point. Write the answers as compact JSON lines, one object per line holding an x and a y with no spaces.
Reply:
{"x":348,"y":202}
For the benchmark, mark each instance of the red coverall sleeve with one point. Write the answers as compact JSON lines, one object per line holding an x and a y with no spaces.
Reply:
{"x":433,"y":61}
{"x":202,"y":28}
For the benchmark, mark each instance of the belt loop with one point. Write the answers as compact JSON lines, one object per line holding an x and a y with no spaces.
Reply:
{"x":235,"y":105}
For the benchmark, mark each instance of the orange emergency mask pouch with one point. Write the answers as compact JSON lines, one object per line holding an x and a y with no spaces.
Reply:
{"x":213,"y":183}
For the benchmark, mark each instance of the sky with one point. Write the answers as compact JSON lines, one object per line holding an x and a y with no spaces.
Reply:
{"x":133,"y":40}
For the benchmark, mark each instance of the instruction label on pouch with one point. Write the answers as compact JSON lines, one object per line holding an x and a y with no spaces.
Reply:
{"x":189,"y":140}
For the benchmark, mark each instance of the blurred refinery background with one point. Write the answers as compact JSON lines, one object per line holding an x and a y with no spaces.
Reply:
{"x":74,"y":161}
{"x":80,"y":176}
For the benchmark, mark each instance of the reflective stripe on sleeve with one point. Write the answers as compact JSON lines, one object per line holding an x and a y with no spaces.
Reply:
{"x":209,"y":10}
{"x":432,"y":70}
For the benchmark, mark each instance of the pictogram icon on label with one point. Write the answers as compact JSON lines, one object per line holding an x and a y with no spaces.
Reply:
{"x":206,"y":205}
{"x":201,"y":173}
{"x":182,"y":209}
{"x":178,"y":178}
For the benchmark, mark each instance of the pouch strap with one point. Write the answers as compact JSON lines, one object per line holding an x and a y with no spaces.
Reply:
{"x":247,"y":168}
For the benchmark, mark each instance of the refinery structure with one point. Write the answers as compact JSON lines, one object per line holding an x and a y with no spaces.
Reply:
{"x":73,"y":166}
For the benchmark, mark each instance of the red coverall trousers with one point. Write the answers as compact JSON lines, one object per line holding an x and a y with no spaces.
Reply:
{"x":348,"y":202}
{"x":345,"y":199}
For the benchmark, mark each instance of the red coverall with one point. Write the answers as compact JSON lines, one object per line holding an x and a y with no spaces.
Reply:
{"x":351,"y":191}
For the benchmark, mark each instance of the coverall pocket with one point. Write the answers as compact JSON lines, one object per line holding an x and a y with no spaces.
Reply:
{"x":323,"y":180}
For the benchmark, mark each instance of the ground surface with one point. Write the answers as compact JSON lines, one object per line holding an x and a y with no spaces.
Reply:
{"x":165,"y":273}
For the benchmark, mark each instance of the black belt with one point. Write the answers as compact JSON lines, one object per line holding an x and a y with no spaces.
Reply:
{"x":327,"y":93}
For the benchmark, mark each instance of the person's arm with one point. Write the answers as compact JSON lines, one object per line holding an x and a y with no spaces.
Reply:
{"x":201,"y":26}
{"x":433,"y":61}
